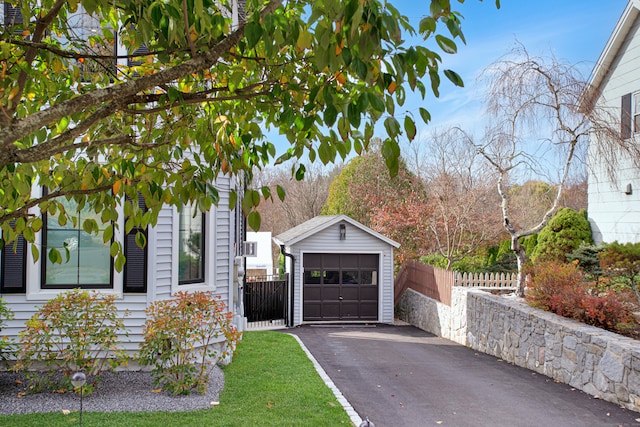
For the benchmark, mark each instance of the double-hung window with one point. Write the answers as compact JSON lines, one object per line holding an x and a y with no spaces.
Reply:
{"x":86,"y":261}
{"x":191,"y":246}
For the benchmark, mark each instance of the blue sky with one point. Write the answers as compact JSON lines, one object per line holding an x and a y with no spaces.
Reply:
{"x":575,"y":31}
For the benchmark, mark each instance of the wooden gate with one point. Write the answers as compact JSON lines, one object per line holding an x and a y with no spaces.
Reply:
{"x":265,"y":297}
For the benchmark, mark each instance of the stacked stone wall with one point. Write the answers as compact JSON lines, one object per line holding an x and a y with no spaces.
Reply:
{"x":601,"y":363}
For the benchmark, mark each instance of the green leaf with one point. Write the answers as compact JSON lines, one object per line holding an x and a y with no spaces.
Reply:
{"x":376,"y":102}
{"x":35,"y":253}
{"x":454,"y":78}
{"x":392,"y":126}
{"x":36,"y":224}
{"x":253,"y":32}
{"x":330,"y":115}
{"x":409,"y":128}
{"x":54,"y":256}
{"x":281,"y":192}
{"x":300,"y":173}
{"x":427,"y":26}
{"x":233,"y":199}
{"x":254,"y":220}
{"x":354,"y":115}
{"x":119,"y":262}
{"x":141,"y":239}
{"x":114,"y":249}
{"x":107,"y":234}
{"x":426,"y":116}
{"x":446,"y":44}
{"x":435,"y":82}
{"x":359,"y":67}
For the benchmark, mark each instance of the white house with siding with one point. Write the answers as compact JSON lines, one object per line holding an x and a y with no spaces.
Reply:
{"x":183,"y":253}
{"x":341,"y":271}
{"x":614,"y":202}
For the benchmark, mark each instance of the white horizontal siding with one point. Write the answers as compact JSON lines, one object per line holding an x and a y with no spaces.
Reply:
{"x":160,"y":274}
{"x":357,"y":242}
{"x":613,"y":214}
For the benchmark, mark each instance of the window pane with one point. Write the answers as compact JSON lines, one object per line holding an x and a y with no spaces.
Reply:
{"x":312,"y":277}
{"x":349,"y":277}
{"x":367,"y":277}
{"x":331,"y":277}
{"x":89,"y":261}
{"x":191,"y":246}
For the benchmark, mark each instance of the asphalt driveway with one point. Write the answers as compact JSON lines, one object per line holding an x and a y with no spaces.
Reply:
{"x":401,"y":376}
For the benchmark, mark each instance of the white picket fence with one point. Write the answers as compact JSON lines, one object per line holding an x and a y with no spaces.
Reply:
{"x":487,"y":280}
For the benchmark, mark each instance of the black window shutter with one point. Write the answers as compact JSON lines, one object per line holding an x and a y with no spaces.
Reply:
{"x":13,"y":260}
{"x":135,"y":269}
{"x":12,"y":15}
{"x":625,"y":117}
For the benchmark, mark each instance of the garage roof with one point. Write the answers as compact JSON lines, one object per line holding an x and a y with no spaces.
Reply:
{"x":319,"y":223}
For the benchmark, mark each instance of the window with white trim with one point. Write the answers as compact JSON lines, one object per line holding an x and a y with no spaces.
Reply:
{"x":86,"y":260}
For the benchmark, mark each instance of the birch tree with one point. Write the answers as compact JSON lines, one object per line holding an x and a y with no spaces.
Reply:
{"x":535,"y":130}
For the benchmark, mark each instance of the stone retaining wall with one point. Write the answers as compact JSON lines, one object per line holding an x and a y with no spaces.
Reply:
{"x":599,"y":362}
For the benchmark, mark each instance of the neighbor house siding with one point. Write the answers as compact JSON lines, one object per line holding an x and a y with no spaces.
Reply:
{"x":357,"y":242}
{"x":613,"y":214}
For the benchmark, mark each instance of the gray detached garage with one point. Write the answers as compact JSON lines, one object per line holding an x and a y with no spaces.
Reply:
{"x":341,"y":271}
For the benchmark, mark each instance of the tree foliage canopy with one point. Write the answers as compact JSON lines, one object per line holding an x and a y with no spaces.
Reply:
{"x":106,"y":98}
{"x":394,"y":206}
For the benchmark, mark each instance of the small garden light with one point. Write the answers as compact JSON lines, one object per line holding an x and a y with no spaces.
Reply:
{"x":78,"y":380}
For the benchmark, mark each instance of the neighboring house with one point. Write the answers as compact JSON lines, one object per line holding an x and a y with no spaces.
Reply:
{"x":185,"y":251}
{"x":259,"y":263}
{"x":340,"y":271}
{"x":614,"y":204}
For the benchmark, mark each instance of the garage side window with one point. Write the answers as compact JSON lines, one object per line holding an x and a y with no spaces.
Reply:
{"x":191,"y":246}
{"x":86,"y":261}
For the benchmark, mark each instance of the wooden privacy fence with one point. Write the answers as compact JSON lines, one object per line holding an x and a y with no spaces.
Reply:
{"x":436,"y":283}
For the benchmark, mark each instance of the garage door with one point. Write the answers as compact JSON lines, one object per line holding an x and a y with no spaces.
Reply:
{"x":340,"y":287}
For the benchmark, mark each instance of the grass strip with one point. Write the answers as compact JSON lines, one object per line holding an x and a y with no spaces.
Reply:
{"x":270,"y":382}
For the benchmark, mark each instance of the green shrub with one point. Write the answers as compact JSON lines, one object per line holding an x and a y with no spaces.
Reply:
{"x":622,"y":260}
{"x":565,"y":232}
{"x":78,"y":330}
{"x":587,"y":258}
{"x":561,"y":288}
{"x":181,"y":339}
{"x":6,"y":346}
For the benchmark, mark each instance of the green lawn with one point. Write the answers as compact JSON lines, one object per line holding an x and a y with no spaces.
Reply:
{"x":270,"y":382}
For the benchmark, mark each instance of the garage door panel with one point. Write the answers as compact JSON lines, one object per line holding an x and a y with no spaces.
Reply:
{"x":369,"y":310}
{"x":331,"y":293}
{"x":312,"y":293}
{"x":330,"y":310}
{"x":350,"y":293}
{"x":368,"y":261}
{"x":348,"y":261}
{"x":350,"y":310}
{"x":368,"y":292}
{"x":312,"y":310}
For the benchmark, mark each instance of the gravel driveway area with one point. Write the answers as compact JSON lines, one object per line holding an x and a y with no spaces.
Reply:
{"x":117,"y":392}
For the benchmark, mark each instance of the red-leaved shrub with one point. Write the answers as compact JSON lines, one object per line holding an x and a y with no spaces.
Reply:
{"x":561,"y":288}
